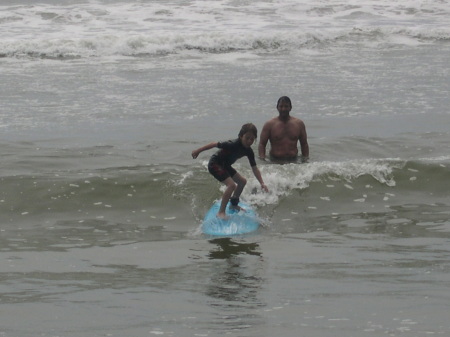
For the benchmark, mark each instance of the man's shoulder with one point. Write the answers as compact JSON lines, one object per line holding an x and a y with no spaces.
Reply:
{"x":290,"y":120}
{"x":271,"y":121}
{"x":296,"y":121}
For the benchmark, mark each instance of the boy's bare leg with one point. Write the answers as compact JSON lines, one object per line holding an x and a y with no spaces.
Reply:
{"x":241,"y":182}
{"x":231,"y":187}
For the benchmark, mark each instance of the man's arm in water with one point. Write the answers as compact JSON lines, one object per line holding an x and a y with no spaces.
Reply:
{"x":303,"y":138}
{"x":263,"y":139}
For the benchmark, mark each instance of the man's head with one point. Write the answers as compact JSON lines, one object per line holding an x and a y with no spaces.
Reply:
{"x":284,"y":106}
{"x":284,"y":99}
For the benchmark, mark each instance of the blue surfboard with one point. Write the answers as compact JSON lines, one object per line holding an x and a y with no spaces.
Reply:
{"x":237,"y":222}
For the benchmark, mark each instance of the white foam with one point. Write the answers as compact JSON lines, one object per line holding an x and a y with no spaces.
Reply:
{"x":148,"y":28}
{"x":282,"y":180}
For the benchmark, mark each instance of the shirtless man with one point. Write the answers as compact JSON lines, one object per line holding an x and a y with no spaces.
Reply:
{"x":284,"y":132}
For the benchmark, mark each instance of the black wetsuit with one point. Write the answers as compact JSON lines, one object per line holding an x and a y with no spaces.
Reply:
{"x":220,"y":163}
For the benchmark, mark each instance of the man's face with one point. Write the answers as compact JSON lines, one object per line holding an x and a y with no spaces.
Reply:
{"x":284,"y":108}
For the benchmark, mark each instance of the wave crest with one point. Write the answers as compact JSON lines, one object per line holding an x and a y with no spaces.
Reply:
{"x":162,"y":44}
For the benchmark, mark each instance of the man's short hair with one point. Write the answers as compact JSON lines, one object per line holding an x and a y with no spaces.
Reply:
{"x":284,"y":99}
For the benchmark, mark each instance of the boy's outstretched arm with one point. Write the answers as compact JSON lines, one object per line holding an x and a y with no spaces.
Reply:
{"x":258,"y":176}
{"x":195,"y":153}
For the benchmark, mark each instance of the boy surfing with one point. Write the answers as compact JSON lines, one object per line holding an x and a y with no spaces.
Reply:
{"x":220,"y":165}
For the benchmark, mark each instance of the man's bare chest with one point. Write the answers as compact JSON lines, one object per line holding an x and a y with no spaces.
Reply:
{"x":285,"y":131}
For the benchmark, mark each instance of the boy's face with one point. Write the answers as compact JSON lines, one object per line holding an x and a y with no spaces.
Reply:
{"x":247,"y":139}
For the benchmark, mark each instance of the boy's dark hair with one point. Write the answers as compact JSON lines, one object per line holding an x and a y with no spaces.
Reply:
{"x":284,"y":99}
{"x":249,"y":127}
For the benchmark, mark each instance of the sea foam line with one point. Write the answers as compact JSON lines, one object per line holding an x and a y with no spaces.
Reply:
{"x":283,"y":179}
{"x":131,"y":29}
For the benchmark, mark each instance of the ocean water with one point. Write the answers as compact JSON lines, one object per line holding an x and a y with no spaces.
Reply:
{"x":101,"y":203}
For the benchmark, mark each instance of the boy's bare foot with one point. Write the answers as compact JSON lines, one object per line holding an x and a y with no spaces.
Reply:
{"x":222,"y":216}
{"x":237,"y":208}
